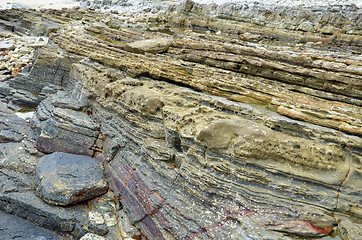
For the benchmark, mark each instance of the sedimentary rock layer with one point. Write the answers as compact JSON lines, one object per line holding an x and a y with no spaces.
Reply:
{"x":231,"y":132}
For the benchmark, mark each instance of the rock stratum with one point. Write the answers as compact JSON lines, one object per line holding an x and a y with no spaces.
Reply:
{"x":212,"y":121}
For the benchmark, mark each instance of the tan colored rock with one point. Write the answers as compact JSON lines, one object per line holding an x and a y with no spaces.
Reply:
{"x":216,"y":137}
{"x":157,"y":45}
{"x":349,"y":230}
{"x":251,"y":89}
{"x":329,"y":30}
{"x":247,"y":36}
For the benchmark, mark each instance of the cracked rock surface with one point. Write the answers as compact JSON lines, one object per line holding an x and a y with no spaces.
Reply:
{"x":66,"y":179}
{"x":212,"y":122}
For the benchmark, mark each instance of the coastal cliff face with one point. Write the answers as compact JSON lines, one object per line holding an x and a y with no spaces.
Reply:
{"x":212,"y":122}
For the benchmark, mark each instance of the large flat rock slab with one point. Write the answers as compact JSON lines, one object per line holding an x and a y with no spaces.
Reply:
{"x":65,"y":179}
{"x":17,"y":197}
{"x":12,"y":227}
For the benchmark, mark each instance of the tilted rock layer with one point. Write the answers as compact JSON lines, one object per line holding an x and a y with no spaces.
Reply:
{"x":212,"y":126}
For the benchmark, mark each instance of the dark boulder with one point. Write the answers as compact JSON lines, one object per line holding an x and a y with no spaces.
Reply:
{"x":65,"y":179}
{"x":25,"y":98}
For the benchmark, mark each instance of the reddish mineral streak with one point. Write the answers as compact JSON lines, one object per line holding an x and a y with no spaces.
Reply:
{"x":325,"y":231}
{"x":135,"y":192}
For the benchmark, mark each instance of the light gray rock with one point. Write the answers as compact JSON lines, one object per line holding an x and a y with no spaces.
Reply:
{"x":65,"y":179}
{"x":6,"y":46}
{"x":91,"y":236}
{"x":156,"y":45}
{"x":9,"y":136}
{"x":49,"y":90}
{"x":96,"y":224}
{"x":306,"y":26}
{"x":349,"y":230}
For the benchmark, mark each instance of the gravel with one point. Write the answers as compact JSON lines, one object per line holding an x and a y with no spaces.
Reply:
{"x":58,"y":4}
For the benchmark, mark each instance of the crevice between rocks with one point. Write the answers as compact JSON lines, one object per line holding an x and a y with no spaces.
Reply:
{"x":168,"y":80}
{"x":340,"y":186}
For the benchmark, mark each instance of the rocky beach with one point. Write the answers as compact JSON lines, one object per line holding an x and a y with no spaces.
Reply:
{"x":181,"y":120}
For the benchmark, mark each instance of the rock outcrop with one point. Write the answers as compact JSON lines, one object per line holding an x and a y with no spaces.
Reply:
{"x":60,"y":128}
{"x":213,"y":122}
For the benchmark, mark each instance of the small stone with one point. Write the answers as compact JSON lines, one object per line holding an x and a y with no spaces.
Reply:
{"x":96,"y":224}
{"x":65,"y":179}
{"x":127,"y":229}
{"x":329,"y":30}
{"x":247,"y":36}
{"x":6,"y":46}
{"x":306,"y":27}
{"x":91,"y":236}
{"x":23,"y":50}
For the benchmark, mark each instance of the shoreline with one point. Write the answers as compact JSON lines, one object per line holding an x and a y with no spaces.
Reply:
{"x":59,"y":4}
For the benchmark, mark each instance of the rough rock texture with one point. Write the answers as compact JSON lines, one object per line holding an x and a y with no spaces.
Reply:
{"x":13,"y":227}
{"x":238,"y":128}
{"x":335,"y":25}
{"x":92,"y":236}
{"x":66,"y":179}
{"x":51,"y":67}
{"x":18,"y":159}
{"x":157,"y":45}
{"x":17,"y":191}
{"x":60,"y":128}
{"x":25,"y":98}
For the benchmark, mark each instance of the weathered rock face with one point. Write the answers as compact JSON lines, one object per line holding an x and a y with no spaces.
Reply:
{"x":336,"y":25}
{"x":59,"y":127}
{"x":66,"y":179}
{"x":158,"y":45}
{"x":241,"y":134}
{"x":50,"y":68}
{"x":205,"y":156}
{"x":18,"y":159}
{"x":13,"y":227}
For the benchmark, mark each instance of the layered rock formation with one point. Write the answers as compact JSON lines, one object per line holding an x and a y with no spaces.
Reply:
{"x":212,"y":122}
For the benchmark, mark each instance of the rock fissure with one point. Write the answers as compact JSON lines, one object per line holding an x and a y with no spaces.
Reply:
{"x":239,"y":129}
{"x":343,"y":181}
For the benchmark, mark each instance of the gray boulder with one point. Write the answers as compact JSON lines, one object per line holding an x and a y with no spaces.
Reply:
{"x":65,"y":179}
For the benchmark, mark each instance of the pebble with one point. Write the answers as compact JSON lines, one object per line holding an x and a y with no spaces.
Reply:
{"x":17,"y":52}
{"x":4,"y":45}
{"x":301,"y":3}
